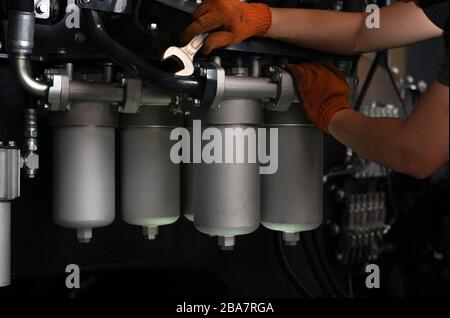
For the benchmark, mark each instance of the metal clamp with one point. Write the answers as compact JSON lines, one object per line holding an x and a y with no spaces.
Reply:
{"x":42,"y":9}
{"x":215,"y":84}
{"x":286,"y":93}
{"x":116,"y":6}
{"x":133,"y":95}
{"x":58,"y":94}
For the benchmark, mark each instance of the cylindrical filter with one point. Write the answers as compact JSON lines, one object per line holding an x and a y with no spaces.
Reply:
{"x":9,"y":190}
{"x":84,"y":168}
{"x":5,"y":243}
{"x":150,"y":181}
{"x":292,"y":198}
{"x":228,"y":194}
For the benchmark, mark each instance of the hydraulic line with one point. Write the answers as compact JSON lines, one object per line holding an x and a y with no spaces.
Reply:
{"x":20,"y":65}
{"x":317,"y":241}
{"x":134,"y":64}
{"x":287,"y":268}
{"x":316,"y":267}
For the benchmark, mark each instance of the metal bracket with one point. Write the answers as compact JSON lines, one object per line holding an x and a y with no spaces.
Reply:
{"x":58,"y":94}
{"x":42,"y":9}
{"x":215,"y":84}
{"x":116,"y":6}
{"x":286,"y":93}
{"x":133,"y":95}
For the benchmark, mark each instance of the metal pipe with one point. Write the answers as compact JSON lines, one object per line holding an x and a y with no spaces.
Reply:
{"x":95,"y":92}
{"x":103,"y":92}
{"x":237,"y":87}
{"x":5,"y":243}
{"x":20,"y":65}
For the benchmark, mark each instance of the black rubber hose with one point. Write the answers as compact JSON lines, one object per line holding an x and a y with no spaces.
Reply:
{"x":287,"y":268}
{"x":23,"y":5}
{"x":316,"y":267}
{"x":134,"y":64}
{"x":318,"y":244}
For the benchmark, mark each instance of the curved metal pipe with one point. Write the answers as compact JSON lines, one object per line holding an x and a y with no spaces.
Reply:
{"x":134,"y":64}
{"x":20,"y":65}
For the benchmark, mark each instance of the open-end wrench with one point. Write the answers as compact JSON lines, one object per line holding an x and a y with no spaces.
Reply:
{"x":185,"y":55}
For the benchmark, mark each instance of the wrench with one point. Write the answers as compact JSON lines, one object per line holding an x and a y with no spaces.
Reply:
{"x":185,"y":55}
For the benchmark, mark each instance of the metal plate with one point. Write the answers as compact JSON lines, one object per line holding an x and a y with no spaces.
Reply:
{"x":116,"y":6}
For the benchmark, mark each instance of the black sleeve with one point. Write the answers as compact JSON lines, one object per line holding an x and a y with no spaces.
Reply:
{"x":437,"y":12}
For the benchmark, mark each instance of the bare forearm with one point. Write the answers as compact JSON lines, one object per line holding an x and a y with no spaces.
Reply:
{"x":417,"y":146}
{"x":377,"y":139}
{"x":322,"y":30}
{"x":347,"y":33}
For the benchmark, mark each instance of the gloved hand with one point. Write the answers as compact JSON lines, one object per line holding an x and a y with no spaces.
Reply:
{"x":322,"y":89}
{"x":232,"y":21}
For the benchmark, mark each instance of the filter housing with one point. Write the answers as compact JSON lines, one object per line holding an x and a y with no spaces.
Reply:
{"x":292,"y":198}
{"x":150,"y":181}
{"x":227,"y":201}
{"x":84,"y":167}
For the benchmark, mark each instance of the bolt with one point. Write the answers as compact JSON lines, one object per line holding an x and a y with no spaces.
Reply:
{"x":197,"y":103}
{"x":291,"y":239}
{"x":150,"y":232}
{"x":84,"y":2}
{"x":153,"y":27}
{"x":42,"y":8}
{"x":226,"y":243}
{"x":270,"y":105}
{"x":202,"y":72}
{"x":12,"y":143}
{"x":80,"y":38}
{"x":276,"y":77}
{"x":84,"y":235}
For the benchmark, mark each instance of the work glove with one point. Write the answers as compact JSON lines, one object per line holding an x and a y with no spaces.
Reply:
{"x":322,"y":90}
{"x":229,"y":21}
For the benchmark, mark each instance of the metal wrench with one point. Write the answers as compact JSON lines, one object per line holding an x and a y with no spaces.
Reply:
{"x":185,"y":55}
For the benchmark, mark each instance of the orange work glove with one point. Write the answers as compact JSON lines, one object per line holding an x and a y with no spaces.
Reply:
{"x":322,"y":89}
{"x":232,"y":21}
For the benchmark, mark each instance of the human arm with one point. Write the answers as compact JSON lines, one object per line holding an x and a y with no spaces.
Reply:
{"x":417,"y":145}
{"x":232,"y":21}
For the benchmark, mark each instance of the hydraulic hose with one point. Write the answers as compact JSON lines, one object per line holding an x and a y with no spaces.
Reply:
{"x":134,"y":64}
